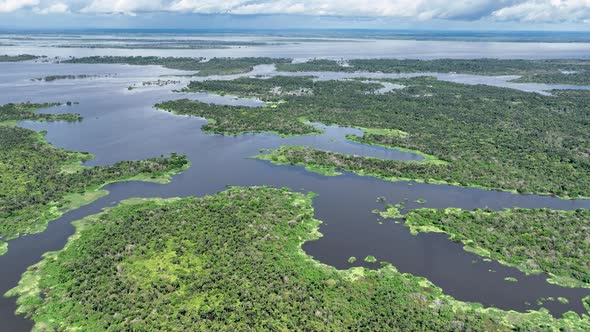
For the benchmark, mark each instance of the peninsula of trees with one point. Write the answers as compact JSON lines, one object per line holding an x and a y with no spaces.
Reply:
{"x":39,"y":182}
{"x":233,"y":261}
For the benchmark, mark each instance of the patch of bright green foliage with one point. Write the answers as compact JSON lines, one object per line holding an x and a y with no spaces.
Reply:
{"x":370,"y":259}
{"x":281,"y":160}
{"x":38,"y":182}
{"x":384,"y":132}
{"x":391,"y":211}
{"x":534,"y":241}
{"x":233,"y":261}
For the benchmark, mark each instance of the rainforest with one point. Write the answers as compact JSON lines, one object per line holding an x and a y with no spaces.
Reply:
{"x":220,"y":184}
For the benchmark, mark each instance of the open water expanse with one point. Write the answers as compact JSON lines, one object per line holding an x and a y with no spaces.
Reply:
{"x":295,"y":47}
{"x":121,"y":124}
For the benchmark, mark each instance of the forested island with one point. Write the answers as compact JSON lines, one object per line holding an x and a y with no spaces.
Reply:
{"x":205,"y":67}
{"x":17,"y":58}
{"x":233,"y":261}
{"x":38,"y":182}
{"x":52,"y":78}
{"x":10,"y":114}
{"x":534,"y":241}
{"x":558,"y":71}
{"x":480,"y":136}
{"x":540,"y":71}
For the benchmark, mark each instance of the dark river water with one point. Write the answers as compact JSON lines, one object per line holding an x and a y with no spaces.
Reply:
{"x":120,"y":124}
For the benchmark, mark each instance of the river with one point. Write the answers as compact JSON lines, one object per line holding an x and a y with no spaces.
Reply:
{"x":122,"y":124}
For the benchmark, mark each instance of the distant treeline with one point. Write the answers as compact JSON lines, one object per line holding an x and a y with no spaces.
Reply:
{"x":17,"y":58}
{"x":214,"y":66}
{"x":541,"y":71}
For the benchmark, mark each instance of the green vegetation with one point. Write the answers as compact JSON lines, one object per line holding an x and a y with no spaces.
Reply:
{"x":17,"y":58}
{"x":534,"y":241}
{"x":237,"y":120}
{"x":575,"y":77}
{"x":38,"y":182}
{"x":271,"y":89}
{"x":542,"y":300}
{"x":282,"y":159}
{"x":391,"y":211}
{"x":331,"y":162}
{"x":511,"y":279}
{"x":317,"y":65}
{"x":52,"y":78}
{"x":352,"y":259}
{"x":370,"y":259}
{"x":385,"y":132}
{"x":467,"y":66}
{"x":374,"y":139}
{"x":540,"y":71}
{"x":214,"y":66}
{"x":274,"y":117}
{"x":233,"y":261}
{"x":10,"y":114}
{"x":479,"y":136}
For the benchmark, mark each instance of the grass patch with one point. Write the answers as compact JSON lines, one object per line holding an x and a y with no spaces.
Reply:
{"x":391,"y":211}
{"x":370,"y":259}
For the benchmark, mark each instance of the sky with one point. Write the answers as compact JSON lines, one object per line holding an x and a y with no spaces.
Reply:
{"x":571,"y":15}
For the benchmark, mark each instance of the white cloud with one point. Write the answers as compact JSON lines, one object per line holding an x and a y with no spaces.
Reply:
{"x":205,"y":6}
{"x":382,"y":8}
{"x":551,"y":11}
{"x":276,"y":7}
{"x":7,"y":6}
{"x":128,"y":7}
{"x":56,"y":8}
{"x":497,"y":10}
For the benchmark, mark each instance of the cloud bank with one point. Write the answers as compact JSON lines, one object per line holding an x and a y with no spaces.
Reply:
{"x":537,"y":11}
